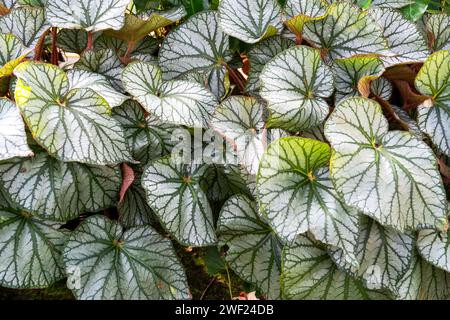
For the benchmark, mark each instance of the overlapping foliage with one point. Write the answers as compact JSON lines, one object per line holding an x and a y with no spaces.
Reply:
{"x":309,"y":141}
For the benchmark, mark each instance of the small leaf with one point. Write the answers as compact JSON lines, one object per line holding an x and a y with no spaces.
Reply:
{"x":12,"y":52}
{"x":254,"y":250}
{"x":13,"y":139}
{"x":260,"y":54}
{"x":26,"y":23}
{"x":390,"y":176}
{"x":249,"y":20}
{"x":434,"y":115}
{"x":309,"y":273}
{"x":438,"y":26}
{"x":57,"y":190}
{"x":295,"y":83}
{"x":134,"y":264}
{"x":148,"y":138}
{"x":345,"y":31}
{"x":198,"y":44}
{"x":434,"y":247}
{"x":176,"y":102}
{"x":90,"y":15}
{"x":405,"y":41}
{"x":174,"y":193}
{"x":30,"y":248}
{"x":296,"y":195}
{"x":68,"y":122}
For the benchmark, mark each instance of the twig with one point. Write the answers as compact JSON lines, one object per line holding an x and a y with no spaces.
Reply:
{"x":40,"y":47}
{"x":229,"y":282}
{"x":207,"y":288}
{"x":55,"y":58}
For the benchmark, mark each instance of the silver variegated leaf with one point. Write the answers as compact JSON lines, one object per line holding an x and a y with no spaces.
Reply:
{"x":72,"y":40}
{"x":198,"y":44}
{"x":351,"y":72}
{"x":68,"y":123}
{"x":261,"y":54}
{"x":345,"y":31}
{"x":389,"y":175}
{"x":383,"y":254}
{"x":30,"y":248}
{"x":178,"y":102}
{"x":57,"y":190}
{"x":250,"y":20}
{"x":309,"y":273}
{"x":12,"y":52}
{"x":79,"y":79}
{"x":148,"y":138}
{"x":135,"y":264}
{"x":91,"y":15}
{"x":295,"y":83}
{"x":241,"y":121}
{"x":298,"y":12}
{"x":254,"y":251}
{"x":438,"y":26}
{"x":434,"y":247}
{"x":105,"y":62}
{"x":406,"y":42}
{"x":391,"y":3}
{"x":174,"y":193}
{"x":296,"y":195}
{"x":382,"y":88}
{"x":433,"y":115}
{"x":422,"y":281}
{"x":13,"y":139}
{"x":26,"y":23}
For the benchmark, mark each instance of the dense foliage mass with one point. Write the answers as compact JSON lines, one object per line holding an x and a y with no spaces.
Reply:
{"x":307,"y":140}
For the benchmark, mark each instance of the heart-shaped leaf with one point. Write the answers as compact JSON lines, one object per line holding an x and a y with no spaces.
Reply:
{"x":434,"y":247}
{"x":295,"y":83}
{"x":250,"y":20}
{"x":438,"y":26}
{"x":254,"y":250}
{"x":383,"y":255}
{"x":198,"y":44}
{"x":309,"y":273}
{"x":79,"y":79}
{"x":433,"y":115}
{"x":174,"y":193}
{"x":147,"y":137}
{"x":30,"y":248}
{"x":354,"y":75}
{"x":91,"y":15}
{"x":13,"y":139}
{"x":129,"y":265}
{"x":345,"y":31}
{"x":177,"y":102}
{"x":296,"y":195}
{"x":405,"y":41}
{"x":67,"y":123}
{"x":422,"y":281}
{"x":57,"y":190}
{"x":12,"y":52}
{"x":389,"y":175}
{"x":260,"y":54}
{"x":26,"y":23}
{"x":136,"y":27}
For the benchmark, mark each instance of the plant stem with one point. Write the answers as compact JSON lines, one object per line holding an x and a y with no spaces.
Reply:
{"x":55,"y":58}
{"x":40,"y":47}
{"x":229,"y":282}
{"x":90,"y":42}
{"x":207,"y":288}
{"x":234,"y":75}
